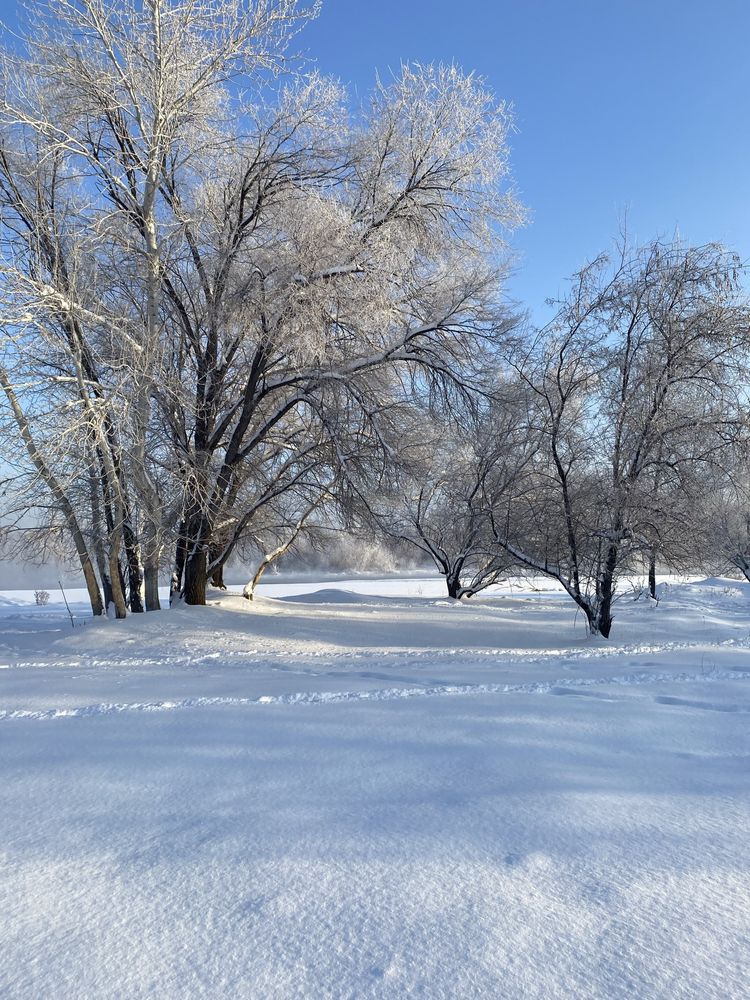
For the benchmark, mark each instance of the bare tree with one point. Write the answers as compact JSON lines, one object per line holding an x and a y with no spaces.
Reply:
{"x":630,"y":380}
{"x":719,"y":522}
{"x":58,"y":494}
{"x":441,"y":501}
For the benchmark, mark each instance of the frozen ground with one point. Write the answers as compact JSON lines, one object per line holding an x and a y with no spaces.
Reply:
{"x":359,"y":790}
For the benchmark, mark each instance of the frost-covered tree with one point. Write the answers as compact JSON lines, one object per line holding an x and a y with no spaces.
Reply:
{"x":441,"y":502}
{"x":93,"y":111}
{"x":234,"y":278}
{"x":637,"y":372}
{"x":357,"y":276}
{"x":718,"y":538}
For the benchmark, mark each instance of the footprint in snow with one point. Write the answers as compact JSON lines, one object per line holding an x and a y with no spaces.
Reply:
{"x":578,"y":693}
{"x":705,"y":705}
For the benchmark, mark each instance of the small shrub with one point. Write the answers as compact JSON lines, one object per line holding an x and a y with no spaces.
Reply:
{"x":41,"y":597}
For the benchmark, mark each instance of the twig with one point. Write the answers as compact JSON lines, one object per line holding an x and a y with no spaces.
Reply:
{"x":72,"y":622}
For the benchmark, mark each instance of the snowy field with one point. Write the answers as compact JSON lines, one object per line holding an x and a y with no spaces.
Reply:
{"x":359,"y":790}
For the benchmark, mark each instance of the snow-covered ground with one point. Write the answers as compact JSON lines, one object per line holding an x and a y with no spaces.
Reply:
{"x":360,"y":790}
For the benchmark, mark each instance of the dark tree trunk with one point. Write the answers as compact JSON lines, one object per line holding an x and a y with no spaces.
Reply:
{"x":196,"y":579}
{"x":601,"y":622}
{"x":130,"y":542}
{"x":151,"y":586}
{"x":103,"y":565}
{"x":109,"y":594}
{"x":454,"y":585}
{"x":652,"y":574}
{"x":175,"y":586}
{"x":217,"y":574}
{"x":598,"y":615}
{"x":602,"y":618}
{"x":742,"y":563}
{"x":114,"y":581}
{"x":98,"y":543}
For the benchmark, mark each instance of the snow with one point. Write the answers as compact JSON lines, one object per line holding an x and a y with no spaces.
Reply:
{"x":357,"y":789}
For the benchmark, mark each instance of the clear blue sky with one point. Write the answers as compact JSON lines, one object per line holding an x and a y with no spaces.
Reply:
{"x":622,"y":106}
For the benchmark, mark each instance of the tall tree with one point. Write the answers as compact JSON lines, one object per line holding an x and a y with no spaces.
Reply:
{"x":245,"y":279}
{"x":635,"y":373}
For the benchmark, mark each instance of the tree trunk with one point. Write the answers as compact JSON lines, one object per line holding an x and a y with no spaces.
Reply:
{"x":195,"y":574}
{"x":92,"y":586}
{"x":652,"y":574}
{"x":175,"y":584}
{"x":605,"y":588}
{"x":598,"y":615}
{"x":53,"y":484}
{"x":601,"y":621}
{"x":151,"y":586}
{"x":109,"y":597}
{"x":132,"y":556}
{"x":589,"y":610}
{"x":742,"y":563}
{"x":217,"y":575}
{"x":98,"y":537}
{"x":103,"y":565}
{"x":453,"y":577}
{"x":115,"y":576}
{"x":249,"y":591}
{"x":196,"y":580}
{"x":271,"y":557}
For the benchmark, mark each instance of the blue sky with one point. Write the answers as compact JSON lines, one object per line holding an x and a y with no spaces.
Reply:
{"x":622,"y":106}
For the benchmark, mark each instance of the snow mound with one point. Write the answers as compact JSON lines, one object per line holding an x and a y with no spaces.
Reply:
{"x":331,"y":595}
